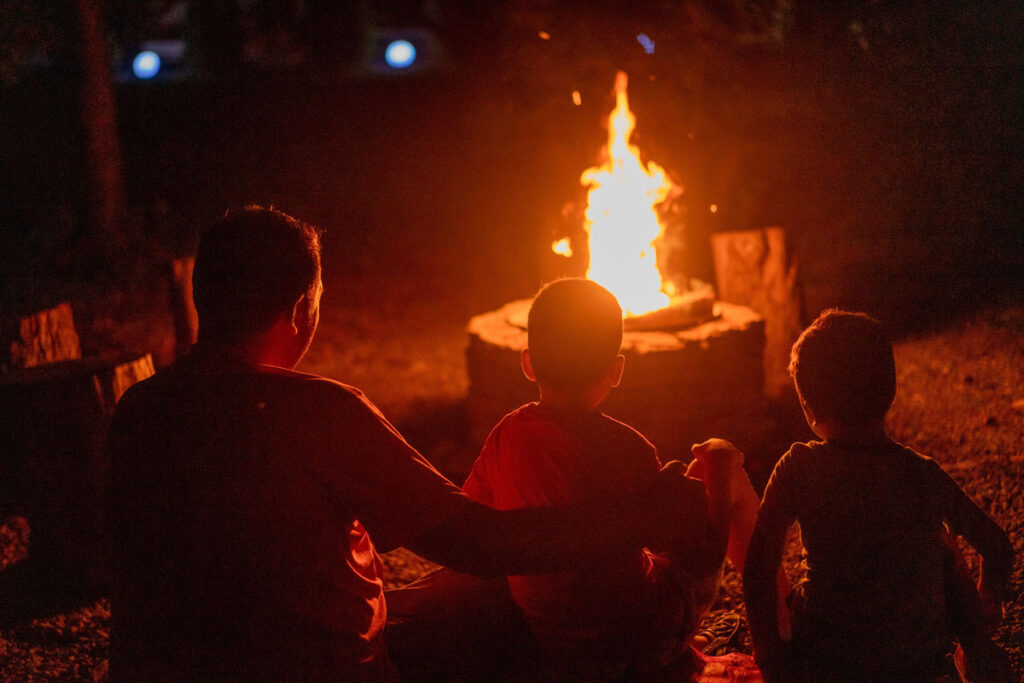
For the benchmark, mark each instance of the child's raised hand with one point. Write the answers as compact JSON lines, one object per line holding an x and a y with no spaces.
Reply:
{"x":717,"y":462}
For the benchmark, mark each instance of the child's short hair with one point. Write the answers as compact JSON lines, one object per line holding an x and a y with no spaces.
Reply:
{"x":574,"y":333}
{"x":843,"y":368}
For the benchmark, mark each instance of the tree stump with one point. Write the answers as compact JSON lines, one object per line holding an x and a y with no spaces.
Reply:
{"x":52,"y":464}
{"x":39,"y":338}
{"x":752,"y":268}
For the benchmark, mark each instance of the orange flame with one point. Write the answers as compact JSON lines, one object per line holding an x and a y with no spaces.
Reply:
{"x":621,"y":219}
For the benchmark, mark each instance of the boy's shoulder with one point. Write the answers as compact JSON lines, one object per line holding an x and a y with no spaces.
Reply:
{"x":817,"y":456}
{"x":592,"y":429}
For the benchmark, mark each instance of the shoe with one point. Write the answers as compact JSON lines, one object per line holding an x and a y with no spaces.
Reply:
{"x":713,"y":638}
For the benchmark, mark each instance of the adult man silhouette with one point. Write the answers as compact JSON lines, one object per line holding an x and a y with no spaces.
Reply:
{"x":248,"y":501}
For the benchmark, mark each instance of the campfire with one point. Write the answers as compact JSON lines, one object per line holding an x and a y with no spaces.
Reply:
{"x":624,"y":226}
{"x":693,"y":363}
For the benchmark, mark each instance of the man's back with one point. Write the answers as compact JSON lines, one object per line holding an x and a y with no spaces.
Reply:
{"x":241,"y":498}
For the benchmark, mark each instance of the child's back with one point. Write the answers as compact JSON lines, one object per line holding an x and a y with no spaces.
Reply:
{"x":542,"y":456}
{"x":882,"y":597}
{"x":563,"y":450}
{"x":871,"y":521}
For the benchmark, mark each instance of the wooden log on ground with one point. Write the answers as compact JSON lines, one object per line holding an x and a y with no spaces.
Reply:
{"x":52,"y":466}
{"x":39,"y":338}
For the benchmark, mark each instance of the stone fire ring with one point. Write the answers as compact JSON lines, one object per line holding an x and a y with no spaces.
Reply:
{"x":680,"y":386}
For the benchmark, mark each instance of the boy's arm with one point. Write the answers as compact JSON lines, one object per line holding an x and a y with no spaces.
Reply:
{"x":966,"y":519}
{"x":487,"y":542}
{"x":719,"y":465}
{"x":764,"y":557}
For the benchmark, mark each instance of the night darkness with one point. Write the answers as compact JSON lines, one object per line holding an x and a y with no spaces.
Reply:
{"x":885,"y":137}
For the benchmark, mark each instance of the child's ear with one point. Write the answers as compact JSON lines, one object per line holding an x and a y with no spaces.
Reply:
{"x":615,"y":372}
{"x":524,"y":361}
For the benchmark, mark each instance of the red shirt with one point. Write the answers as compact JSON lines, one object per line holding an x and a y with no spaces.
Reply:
{"x":537,"y":456}
{"x":246,"y":503}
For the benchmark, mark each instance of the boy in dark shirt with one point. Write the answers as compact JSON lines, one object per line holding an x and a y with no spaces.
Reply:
{"x":882,"y":598}
{"x":562,"y":450}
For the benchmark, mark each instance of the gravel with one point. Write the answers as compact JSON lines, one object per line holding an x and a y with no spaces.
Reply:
{"x":961,"y":401}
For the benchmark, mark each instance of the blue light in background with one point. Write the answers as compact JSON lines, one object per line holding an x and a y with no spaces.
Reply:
{"x":646,"y":41}
{"x":400,"y":54}
{"x":146,"y":65}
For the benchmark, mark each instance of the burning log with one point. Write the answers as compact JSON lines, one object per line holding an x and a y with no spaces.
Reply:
{"x":688,"y":310}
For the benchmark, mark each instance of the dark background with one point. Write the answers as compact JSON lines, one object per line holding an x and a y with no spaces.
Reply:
{"x":886,"y":137}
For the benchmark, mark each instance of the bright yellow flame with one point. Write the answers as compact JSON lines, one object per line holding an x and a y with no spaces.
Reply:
{"x":562,"y":247}
{"x":621,"y":219}
{"x":576,"y":99}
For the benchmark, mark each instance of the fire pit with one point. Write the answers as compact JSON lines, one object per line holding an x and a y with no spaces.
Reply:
{"x":693,"y":364}
{"x":679,"y":387}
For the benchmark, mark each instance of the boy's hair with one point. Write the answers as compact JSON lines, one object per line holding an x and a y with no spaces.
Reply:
{"x":251,"y":266}
{"x":844,"y":369}
{"x":574,"y":333}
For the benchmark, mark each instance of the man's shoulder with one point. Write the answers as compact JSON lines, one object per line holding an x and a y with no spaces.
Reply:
{"x":182,"y":380}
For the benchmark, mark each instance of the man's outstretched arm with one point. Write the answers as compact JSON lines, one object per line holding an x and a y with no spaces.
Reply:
{"x":487,"y":542}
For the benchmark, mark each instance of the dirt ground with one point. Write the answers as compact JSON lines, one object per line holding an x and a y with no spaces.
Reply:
{"x":960,"y":401}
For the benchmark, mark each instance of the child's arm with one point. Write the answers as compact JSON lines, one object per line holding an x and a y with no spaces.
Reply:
{"x":966,"y":519}
{"x":761,"y":584}
{"x":732,"y":503}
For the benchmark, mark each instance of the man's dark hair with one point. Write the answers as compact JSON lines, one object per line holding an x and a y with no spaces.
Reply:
{"x":844,"y":369}
{"x":574,"y":333}
{"x":251,"y":266}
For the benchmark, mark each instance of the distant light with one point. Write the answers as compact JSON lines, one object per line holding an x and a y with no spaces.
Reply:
{"x":400,"y":54}
{"x":714,"y":208}
{"x":647,"y":43}
{"x":562,"y":247}
{"x":576,"y":99}
{"x":543,"y":35}
{"x":146,"y":65}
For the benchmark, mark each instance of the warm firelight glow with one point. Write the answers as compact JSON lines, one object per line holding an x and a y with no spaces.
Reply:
{"x":562,"y":247}
{"x":621,"y":218}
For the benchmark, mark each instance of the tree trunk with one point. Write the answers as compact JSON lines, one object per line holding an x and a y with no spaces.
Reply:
{"x":99,"y":120}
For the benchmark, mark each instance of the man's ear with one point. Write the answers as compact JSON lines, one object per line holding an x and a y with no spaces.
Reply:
{"x":524,"y":361}
{"x":615,"y":371}
{"x":300,"y":313}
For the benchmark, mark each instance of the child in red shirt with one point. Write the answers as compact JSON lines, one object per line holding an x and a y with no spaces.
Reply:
{"x":562,"y":450}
